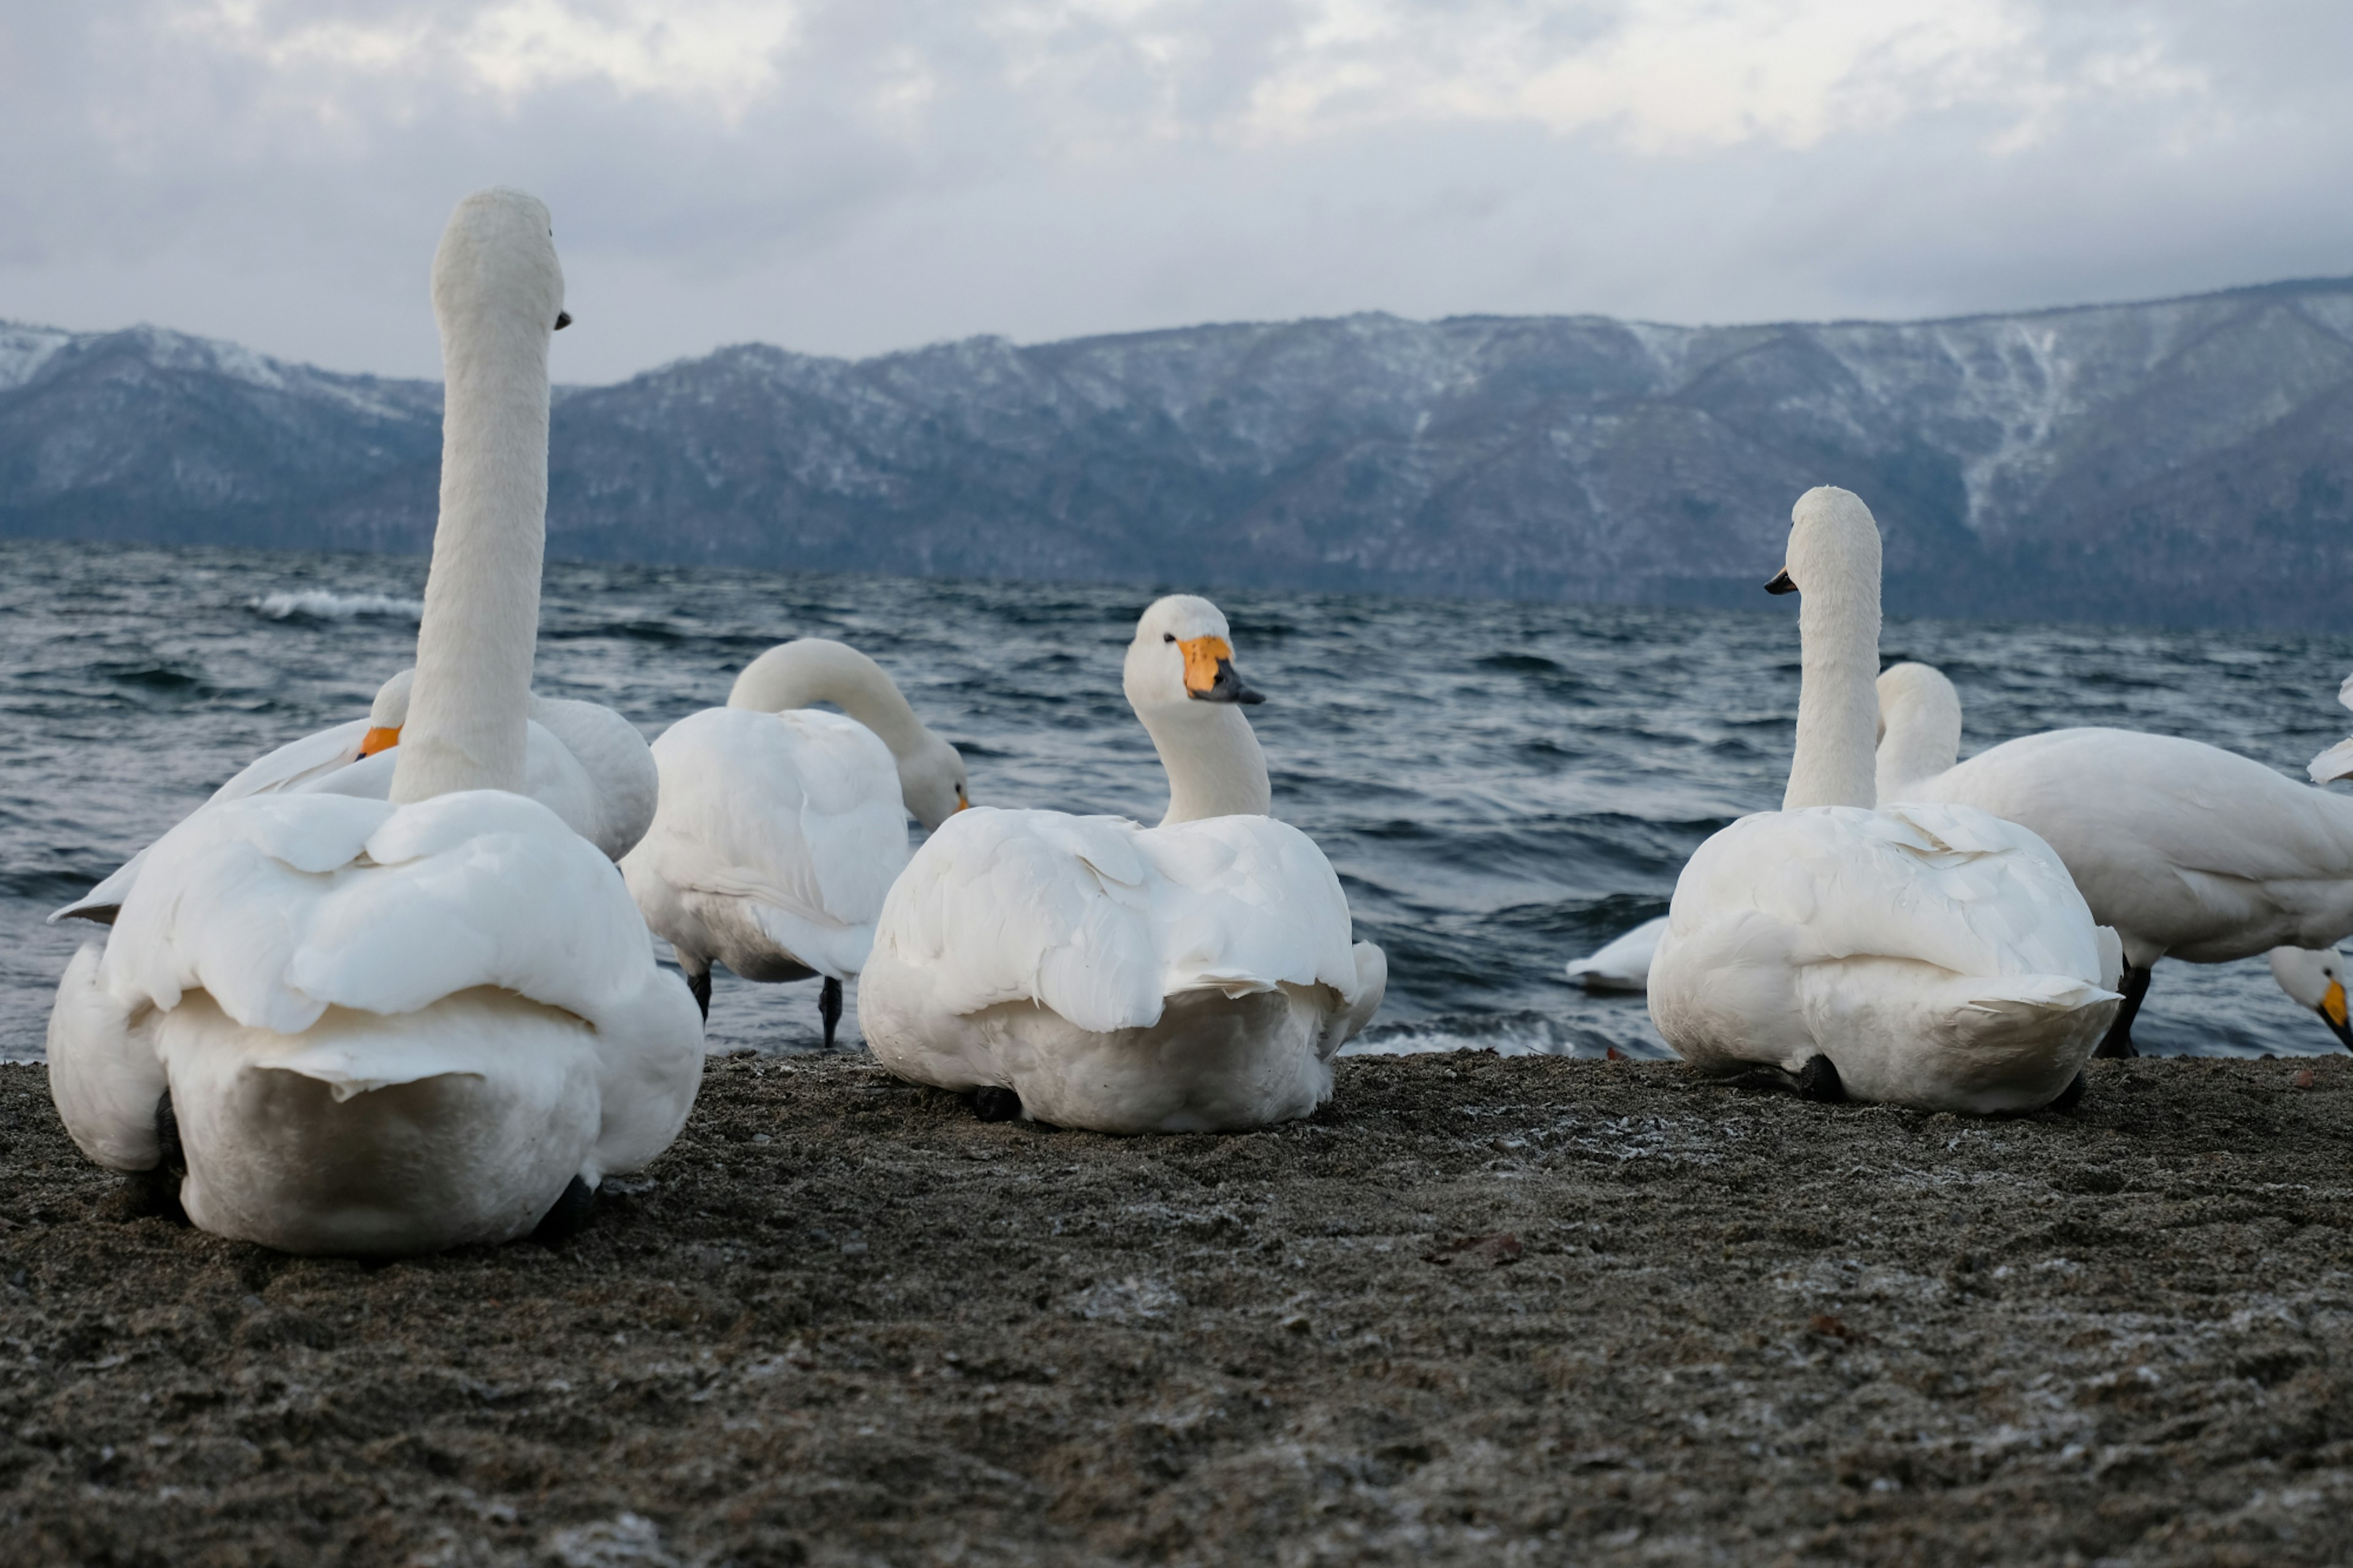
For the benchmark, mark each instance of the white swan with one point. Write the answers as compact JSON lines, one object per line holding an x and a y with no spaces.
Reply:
{"x":584,"y":762}
{"x":781,"y":825}
{"x":1623,"y":965}
{"x":2316,"y":980}
{"x":2188,"y":850}
{"x":1923,"y":955}
{"x":1088,"y":971}
{"x":393,"y":1026}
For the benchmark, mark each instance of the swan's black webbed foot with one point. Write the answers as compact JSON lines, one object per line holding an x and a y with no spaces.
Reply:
{"x":155,"y":1193}
{"x":829,"y":1007}
{"x":569,"y":1215}
{"x":701,"y":985}
{"x":993,"y":1104}
{"x":1819,"y":1080}
{"x":2069,"y":1097}
{"x":2118,"y":1041}
{"x":168,"y":1136}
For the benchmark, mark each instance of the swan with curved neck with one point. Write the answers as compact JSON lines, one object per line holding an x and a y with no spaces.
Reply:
{"x":781,"y":825}
{"x":1090,"y":972}
{"x":394,"y":1026}
{"x":810,"y":670}
{"x":1927,"y":956}
{"x":2188,"y":850}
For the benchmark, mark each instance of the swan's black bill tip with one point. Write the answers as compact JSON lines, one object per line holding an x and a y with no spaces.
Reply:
{"x":1781,"y":583}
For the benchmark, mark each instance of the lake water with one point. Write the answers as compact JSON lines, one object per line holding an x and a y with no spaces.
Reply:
{"x":1502,"y":786}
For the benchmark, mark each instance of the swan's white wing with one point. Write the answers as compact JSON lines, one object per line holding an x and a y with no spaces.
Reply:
{"x":616,"y":762}
{"x":795,"y":814}
{"x":609,"y":804}
{"x":1937,"y":884}
{"x":1245,"y":903}
{"x":281,"y":906}
{"x":293,"y":766}
{"x":2121,"y":794}
{"x":1623,"y":965}
{"x":1100,"y":920}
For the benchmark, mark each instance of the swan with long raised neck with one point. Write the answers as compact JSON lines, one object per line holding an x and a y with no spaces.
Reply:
{"x":2190,"y":851}
{"x":1931,"y":956}
{"x":392,"y":1027}
{"x":1090,"y":972}
{"x":782,"y":825}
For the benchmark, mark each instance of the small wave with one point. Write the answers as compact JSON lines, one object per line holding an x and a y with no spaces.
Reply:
{"x":1507,"y":1034}
{"x":323,"y":604}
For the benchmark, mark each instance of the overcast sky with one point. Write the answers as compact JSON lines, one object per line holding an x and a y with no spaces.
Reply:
{"x":870,"y":174}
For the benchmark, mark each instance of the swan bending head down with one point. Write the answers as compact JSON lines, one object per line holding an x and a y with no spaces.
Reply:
{"x":2315,"y":977}
{"x":802,"y":673}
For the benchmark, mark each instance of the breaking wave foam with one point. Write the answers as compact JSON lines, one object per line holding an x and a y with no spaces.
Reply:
{"x":321,"y":603}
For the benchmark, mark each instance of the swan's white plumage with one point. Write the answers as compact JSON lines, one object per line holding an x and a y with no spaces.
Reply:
{"x":397,"y":1027}
{"x":1938,"y":956}
{"x":259,"y":921}
{"x":777,"y":837}
{"x":1195,"y":976}
{"x":2189,"y":851}
{"x":1622,"y":964}
{"x":582,"y":761}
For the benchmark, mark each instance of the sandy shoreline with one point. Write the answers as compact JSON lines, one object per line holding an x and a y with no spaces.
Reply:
{"x":1480,"y":1310}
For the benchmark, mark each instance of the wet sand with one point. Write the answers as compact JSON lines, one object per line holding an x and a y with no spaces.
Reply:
{"x":1478,"y":1310}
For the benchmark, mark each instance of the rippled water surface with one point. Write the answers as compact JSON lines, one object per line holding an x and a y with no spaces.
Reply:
{"x":1502,"y":786}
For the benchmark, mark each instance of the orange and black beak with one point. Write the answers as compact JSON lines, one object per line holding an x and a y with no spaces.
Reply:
{"x":1781,"y":583}
{"x":2332,"y":1013}
{"x":379,"y":740}
{"x":1210,"y":672}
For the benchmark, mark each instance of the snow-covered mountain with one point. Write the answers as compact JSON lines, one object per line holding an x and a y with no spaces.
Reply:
{"x":2186,"y":460}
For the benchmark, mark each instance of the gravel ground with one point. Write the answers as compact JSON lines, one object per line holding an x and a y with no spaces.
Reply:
{"x":1479,"y":1310}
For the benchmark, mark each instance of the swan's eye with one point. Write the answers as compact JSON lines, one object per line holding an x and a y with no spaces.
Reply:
{"x":1167,"y":636}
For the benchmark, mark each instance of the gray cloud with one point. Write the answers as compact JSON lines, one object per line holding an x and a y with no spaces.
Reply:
{"x":853,"y":175}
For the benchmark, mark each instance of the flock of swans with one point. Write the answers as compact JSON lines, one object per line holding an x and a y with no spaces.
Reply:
{"x":390,"y":989}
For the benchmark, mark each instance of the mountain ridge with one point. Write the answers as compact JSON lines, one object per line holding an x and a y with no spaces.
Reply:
{"x":2185,"y":460}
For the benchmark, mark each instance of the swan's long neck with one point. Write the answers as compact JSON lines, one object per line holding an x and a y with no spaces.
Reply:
{"x":1838,"y":702}
{"x":467,"y":715}
{"x":811,"y":670}
{"x":1211,"y":755}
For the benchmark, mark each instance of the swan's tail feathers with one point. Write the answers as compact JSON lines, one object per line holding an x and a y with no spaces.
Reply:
{"x":105,"y":1074}
{"x":2024,"y":996}
{"x":1372,"y":984}
{"x":2336,"y":763}
{"x":102,"y":903}
{"x":2112,"y":955}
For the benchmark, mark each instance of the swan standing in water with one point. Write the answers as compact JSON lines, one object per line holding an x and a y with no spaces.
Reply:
{"x":582,"y":761}
{"x":394,"y":1026}
{"x":1923,"y":955}
{"x":781,"y":825}
{"x":2188,"y":850}
{"x":1090,"y":972}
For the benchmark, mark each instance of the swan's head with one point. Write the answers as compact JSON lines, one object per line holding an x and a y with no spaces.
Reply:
{"x":932,"y":782}
{"x":2315,"y":977}
{"x":387,"y":713}
{"x":1913,"y":698}
{"x":496,"y":276}
{"x":1183,"y":653}
{"x":1833,"y":545}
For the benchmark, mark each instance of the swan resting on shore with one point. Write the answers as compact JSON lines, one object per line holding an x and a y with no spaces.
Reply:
{"x":1931,"y":956}
{"x":1090,"y":972}
{"x":394,"y":1026}
{"x":2188,"y":850}
{"x":782,"y":826}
